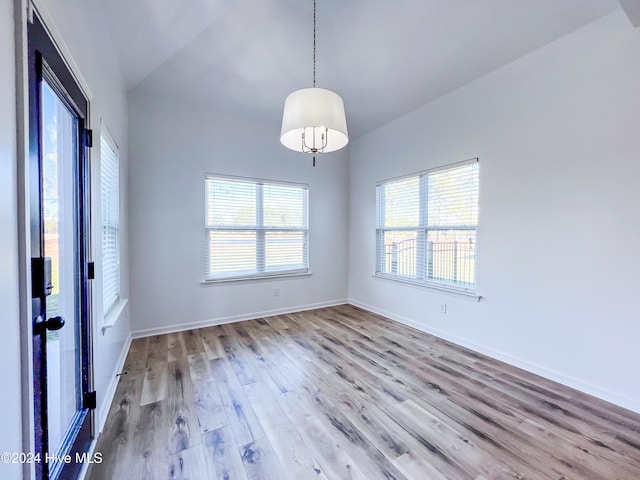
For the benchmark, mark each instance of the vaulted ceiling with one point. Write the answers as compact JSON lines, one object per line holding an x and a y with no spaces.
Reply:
{"x":385,"y":57}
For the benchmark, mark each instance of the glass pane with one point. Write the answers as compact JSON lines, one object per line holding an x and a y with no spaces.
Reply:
{"x":285,"y":206}
{"x":231,"y":203}
{"x":400,"y":253}
{"x":453,"y":196}
{"x":400,"y":203}
{"x":231,"y":253}
{"x":285,"y":250}
{"x":451,"y":256}
{"x":59,"y":140}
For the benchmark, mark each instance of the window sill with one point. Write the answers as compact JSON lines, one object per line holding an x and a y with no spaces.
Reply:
{"x":254,"y":278}
{"x":440,"y":288}
{"x":114,"y":313}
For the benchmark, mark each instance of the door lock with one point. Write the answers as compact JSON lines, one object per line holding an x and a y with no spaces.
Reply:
{"x":41,"y":285}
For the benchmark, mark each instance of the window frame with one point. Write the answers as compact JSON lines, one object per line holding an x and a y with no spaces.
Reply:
{"x":421,"y":277}
{"x":260,"y":229}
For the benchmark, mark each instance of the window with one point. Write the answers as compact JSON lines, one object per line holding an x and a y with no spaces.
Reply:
{"x":110,"y":201}
{"x":426,"y":227}
{"x":255,"y":228}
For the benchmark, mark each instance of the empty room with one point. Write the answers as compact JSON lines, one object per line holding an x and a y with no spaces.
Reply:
{"x":320,"y":239}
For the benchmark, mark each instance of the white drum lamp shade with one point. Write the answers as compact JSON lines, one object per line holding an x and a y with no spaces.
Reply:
{"x":314,"y":121}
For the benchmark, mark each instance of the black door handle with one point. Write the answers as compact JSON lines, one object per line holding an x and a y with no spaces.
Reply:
{"x":54,"y":323}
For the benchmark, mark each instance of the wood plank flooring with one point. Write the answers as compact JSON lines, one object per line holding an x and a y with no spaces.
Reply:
{"x":341,"y":393}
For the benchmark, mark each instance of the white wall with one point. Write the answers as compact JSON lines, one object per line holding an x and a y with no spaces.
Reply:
{"x":558,"y":136}
{"x":80,"y":28}
{"x":10,"y":399}
{"x":172,"y":146}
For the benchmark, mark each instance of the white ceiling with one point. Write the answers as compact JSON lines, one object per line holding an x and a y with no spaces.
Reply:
{"x":385,"y":57}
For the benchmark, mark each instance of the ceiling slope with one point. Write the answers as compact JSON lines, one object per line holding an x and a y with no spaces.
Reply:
{"x":384,"y":57}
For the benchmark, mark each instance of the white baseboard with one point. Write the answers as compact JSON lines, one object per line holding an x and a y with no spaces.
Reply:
{"x":577,"y":384}
{"x":232,"y":319}
{"x":85,"y":466}
{"x":105,"y":404}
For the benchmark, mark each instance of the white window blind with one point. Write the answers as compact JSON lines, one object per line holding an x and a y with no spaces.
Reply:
{"x":426,"y":226}
{"x":110,"y":202}
{"x":255,"y":228}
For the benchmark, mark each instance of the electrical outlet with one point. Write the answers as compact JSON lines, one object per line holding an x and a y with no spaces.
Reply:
{"x":276,"y":292}
{"x":443,"y":308}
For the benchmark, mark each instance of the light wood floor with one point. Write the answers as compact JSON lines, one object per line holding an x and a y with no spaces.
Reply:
{"x":340,"y":393}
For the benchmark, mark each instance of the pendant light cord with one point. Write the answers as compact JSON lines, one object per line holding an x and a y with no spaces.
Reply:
{"x":314,"y":43}
{"x":314,"y":63}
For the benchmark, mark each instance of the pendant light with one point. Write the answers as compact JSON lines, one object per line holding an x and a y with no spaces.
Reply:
{"x":313,"y":120}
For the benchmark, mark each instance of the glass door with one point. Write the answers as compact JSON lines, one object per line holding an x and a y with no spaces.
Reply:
{"x":59,"y":206}
{"x":59,"y":140}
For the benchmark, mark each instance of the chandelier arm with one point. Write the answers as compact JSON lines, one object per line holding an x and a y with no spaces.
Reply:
{"x":313,"y":149}
{"x":309,"y":149}
{"x":313,"y":131}
{"x":305,"y":148}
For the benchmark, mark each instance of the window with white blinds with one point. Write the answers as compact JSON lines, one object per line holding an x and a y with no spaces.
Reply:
{"x":255,"y":228}
{"x":426,"y":227}
{"x":110,"y":202}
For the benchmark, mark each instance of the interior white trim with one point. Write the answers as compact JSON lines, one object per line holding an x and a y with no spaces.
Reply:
{"x":85,"y":466}
{"x":254,"y":278}
{"x":107,"y":399}
{"x":613,"y":397}
{"x":65,"y":52}
{"x":443,"y":288}
{"x":114,"y":314}
{"x":232,"y":319}
{"x":24,"y":237}
{"x":439,"y":168}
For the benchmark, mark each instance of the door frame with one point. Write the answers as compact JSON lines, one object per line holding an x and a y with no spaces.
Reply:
{"x":25,"y":14}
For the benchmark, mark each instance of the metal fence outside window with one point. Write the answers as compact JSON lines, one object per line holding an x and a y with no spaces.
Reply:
{"x":451,"y":262}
